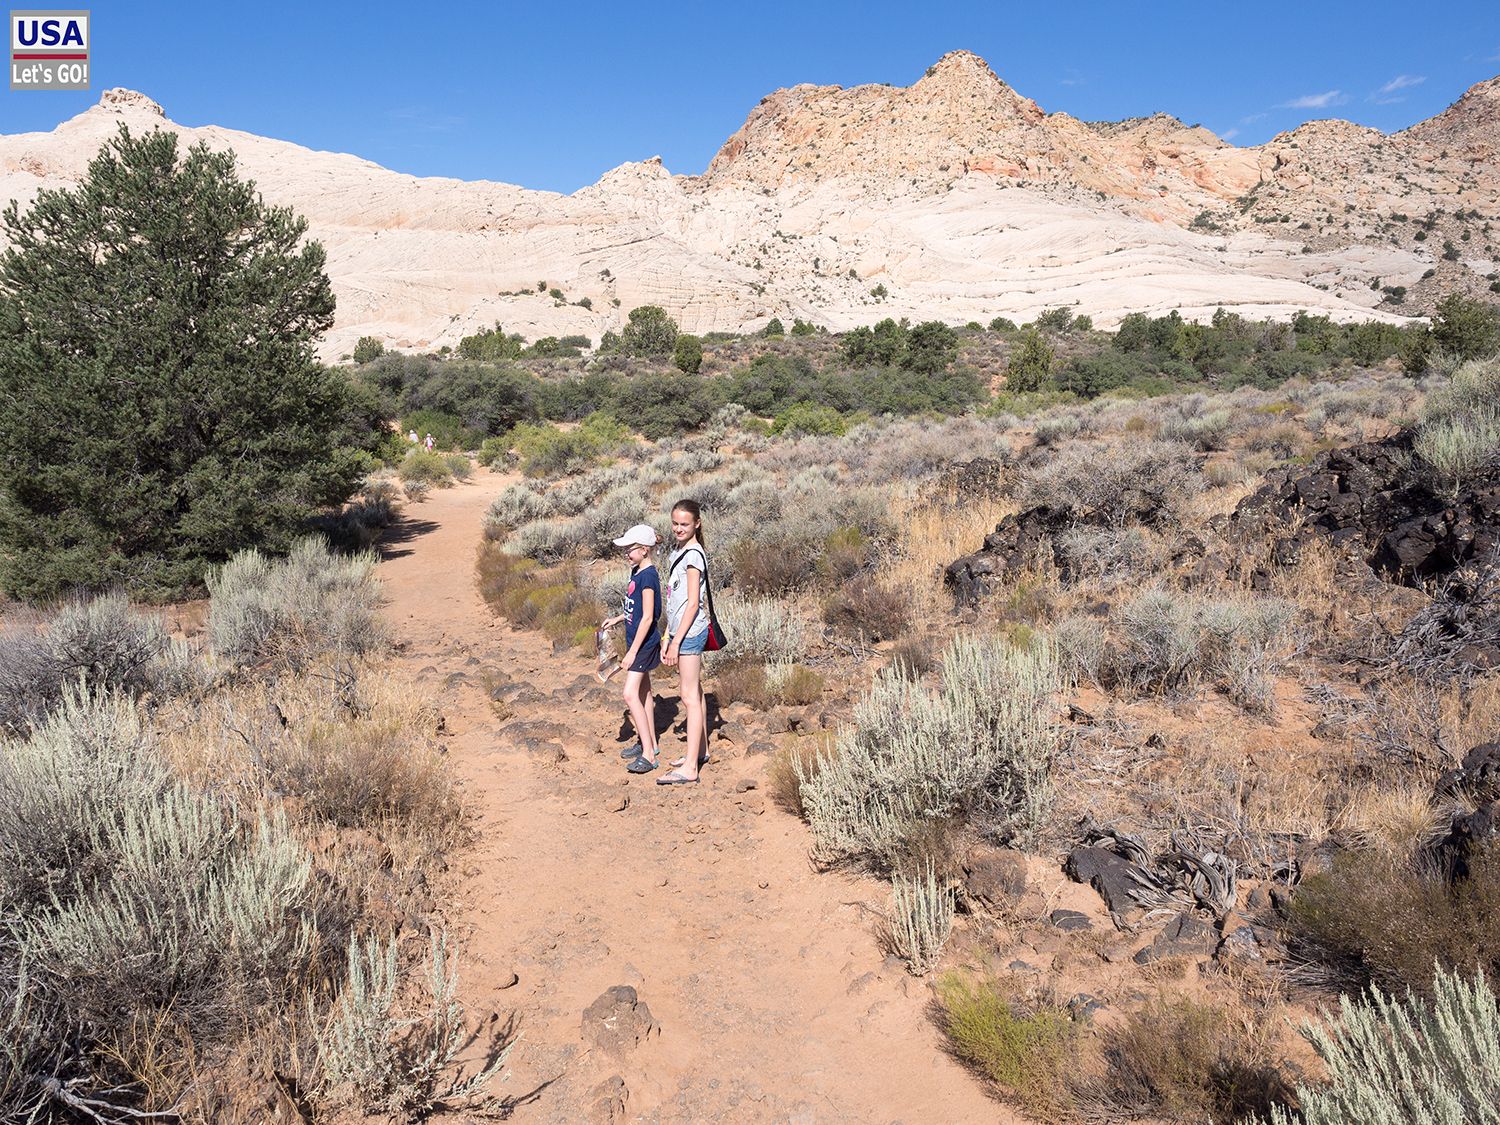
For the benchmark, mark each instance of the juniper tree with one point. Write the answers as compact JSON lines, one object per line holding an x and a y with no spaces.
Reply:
{"x":162,"y":405}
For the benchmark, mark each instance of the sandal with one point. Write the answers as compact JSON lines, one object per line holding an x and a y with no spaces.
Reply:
{"x":631,"y":751}
{"x":639,"y":764}
{"x":675,"y":778}
{"x":702,"y":761}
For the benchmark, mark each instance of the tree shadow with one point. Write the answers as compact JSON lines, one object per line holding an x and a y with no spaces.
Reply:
{"x":393,"y":540}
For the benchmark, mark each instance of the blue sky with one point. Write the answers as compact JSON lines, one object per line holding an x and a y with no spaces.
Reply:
{"x":551,"y":95}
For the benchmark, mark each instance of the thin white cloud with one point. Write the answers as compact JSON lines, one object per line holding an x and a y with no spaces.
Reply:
{"x":1403,"y":82}
{"x":1316,"y":101}
{"x":1229,"y":134}
{"x":1251,"y":118}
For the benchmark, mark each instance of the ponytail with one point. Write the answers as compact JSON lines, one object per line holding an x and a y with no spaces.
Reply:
{"x":691,"y":508}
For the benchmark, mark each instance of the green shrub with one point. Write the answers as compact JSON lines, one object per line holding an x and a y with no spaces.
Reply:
{"x":658,"y":406}
{"x":163,"y":405}
{"x":774,"y":328}
{"x":1412,"y":1062}
{"x":493,"y":449}
{"x":421,"y":467}
{"x":649,"y":332}
{"x":1029,"y":1056}
{"x":1030,"y":363}
{"x":687,"y":354}
{"x":447,"y":430}
{"x":805,"y":418}
{"x":1466,"y":327}
{"x":980,"y":745}
{"x":1002,"y":324}
{"x":368,"y":350}
{"x":491,"y":345}
{"x":312,"y":602}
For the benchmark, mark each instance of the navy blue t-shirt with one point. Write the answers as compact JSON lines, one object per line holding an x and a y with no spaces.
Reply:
{"x":641,"y":581}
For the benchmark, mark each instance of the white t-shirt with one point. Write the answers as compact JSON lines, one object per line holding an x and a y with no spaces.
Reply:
{"x":694,"y":559}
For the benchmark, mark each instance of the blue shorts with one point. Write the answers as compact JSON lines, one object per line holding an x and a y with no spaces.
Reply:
{"x":693,"y":645}
{"x":648,"y":660}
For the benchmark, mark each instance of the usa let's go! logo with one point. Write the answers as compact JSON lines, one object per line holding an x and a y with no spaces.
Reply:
{"x":49,"y":50}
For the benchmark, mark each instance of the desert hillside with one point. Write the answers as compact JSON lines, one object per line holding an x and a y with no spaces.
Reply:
{"x":956,"y":198}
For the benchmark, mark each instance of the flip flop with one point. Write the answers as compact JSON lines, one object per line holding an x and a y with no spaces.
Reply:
{"x":675,"y":778}
{"x":639,"y":764}
{"x":703,"y":761}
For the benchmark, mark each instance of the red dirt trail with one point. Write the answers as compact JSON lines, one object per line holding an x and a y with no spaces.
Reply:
{"x":771,"y":994}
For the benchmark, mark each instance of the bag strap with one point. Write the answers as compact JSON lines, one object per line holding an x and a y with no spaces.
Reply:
{"x":708,"y":587}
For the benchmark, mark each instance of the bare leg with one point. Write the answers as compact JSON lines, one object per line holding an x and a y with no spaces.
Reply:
{"x":690,"y":673}
{"x":634,"y":694}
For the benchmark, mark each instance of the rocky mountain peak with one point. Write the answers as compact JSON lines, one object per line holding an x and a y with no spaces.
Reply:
{"x":121,"y":100}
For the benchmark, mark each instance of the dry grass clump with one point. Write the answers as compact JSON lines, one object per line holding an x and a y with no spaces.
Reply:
{"x":761,"y":685}
{"x":1190,"y":1061}
{"x":1392,"y":919}
{"x":913,"y":657}
{"x":798,"y":758}
{"x":867,"y":610}
{"x":1026,"y":1051}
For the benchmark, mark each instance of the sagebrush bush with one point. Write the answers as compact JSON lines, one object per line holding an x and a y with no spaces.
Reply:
{"x":388,"y":1055}
{"x":761,"y":628}
{"x":1394,"y":919}
{"x":1407,"y":1062}
{"x":92,"y":645}
{"x":293,"y":609}
{"x":1459,"y":432}
{"x":920,"y":918}
{"x":981,"y":745}
{"x":1149,"y":482}
{"x":1168,"y":640}
{"x":135,"y":902}
{"x":1029,"y":1055}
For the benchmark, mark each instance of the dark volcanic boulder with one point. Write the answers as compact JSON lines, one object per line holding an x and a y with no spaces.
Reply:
{"x":1013,"y":543}
{"x":1371,"y":499}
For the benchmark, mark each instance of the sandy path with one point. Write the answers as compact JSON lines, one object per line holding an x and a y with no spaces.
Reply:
{"x":772,"y":997}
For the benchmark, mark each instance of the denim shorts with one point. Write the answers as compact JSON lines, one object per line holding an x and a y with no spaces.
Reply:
{"x":693,"y":645}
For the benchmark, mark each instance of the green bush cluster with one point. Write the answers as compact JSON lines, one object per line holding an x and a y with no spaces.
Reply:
{"x":927,"y":348}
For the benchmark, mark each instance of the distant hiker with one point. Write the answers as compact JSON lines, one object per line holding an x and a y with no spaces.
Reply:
{"x":412,"y":437}
{"x":642,"y":602}
{"x":687,"y":634}
{"x":428,"y":443}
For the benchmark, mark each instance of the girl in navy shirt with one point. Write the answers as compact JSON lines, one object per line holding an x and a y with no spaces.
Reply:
{"x":642,"y":603}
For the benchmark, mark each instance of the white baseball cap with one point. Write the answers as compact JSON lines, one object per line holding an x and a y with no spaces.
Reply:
{"x":641,"y":535}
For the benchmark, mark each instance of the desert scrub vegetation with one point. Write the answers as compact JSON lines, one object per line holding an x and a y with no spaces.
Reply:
{"x":1459,"y":432}
{"x":1407,"y":1062}
{"x":187,"y":860}
{"x":284,"y":610}
{"x":1025,"y":1050}
{"x":919,"y":918}
{"x":1169,"y":641}
{"x":550,"y":599}
{"x":1398,"y":919}
{"x":91,"y":645}
{"x":981,"y":744}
